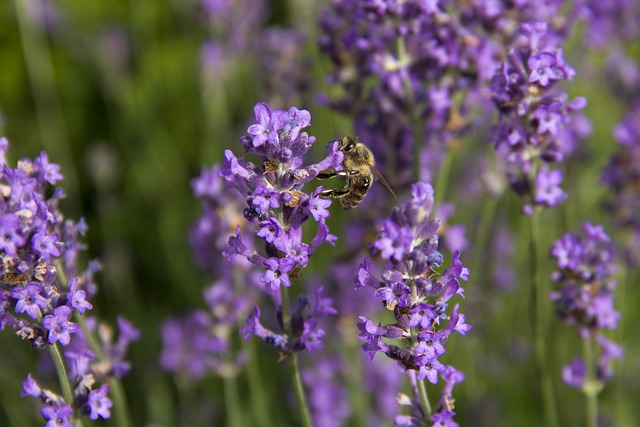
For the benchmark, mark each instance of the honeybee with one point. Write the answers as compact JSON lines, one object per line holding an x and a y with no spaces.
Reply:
{"x":359,"y":170}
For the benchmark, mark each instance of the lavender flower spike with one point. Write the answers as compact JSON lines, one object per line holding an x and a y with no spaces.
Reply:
{"x":584,"y":300}
{"x":277,"y":206}
{"x":418,"y":294}
{"x":534,"y":131}
{"x":39,"y":248}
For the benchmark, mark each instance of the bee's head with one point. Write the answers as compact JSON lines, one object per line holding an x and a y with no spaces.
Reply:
{"x":349,"y":143}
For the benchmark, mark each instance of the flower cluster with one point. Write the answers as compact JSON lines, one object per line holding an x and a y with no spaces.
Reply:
{"x":197,"y":343}
{"x":585,"y":298}
{"x":86,"y":368}
{"x":38,"y":248}
{"x":533,"y":130}
{"x":283,"y":64}
{"x":235,"y":22}
{"x":401,"y":67}
{"x":502,"y":18}
{"x":328,"y":401}
{"x":417,"y":294}
{"x":277,"y":206}
{"x":622,"y":176}
{"x":240,"y":37}
{"x":34,"y":303}
{"x":306,"y":335}
{"x":221,"y":213}
{"x":609,"y":21}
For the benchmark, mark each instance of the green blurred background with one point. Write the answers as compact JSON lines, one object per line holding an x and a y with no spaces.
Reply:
{"x":114,"y":92}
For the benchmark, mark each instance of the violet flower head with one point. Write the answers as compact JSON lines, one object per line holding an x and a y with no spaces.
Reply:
{"x":585,"y":298}
{"x":306,"y":331}
{"x":401,"y":67}
{"x":535,"y":128}
{"x":283,"y":64}
{"x":36,"y":241}
{"x":235,"y":24}
{"x":415,"y":289}
{"x":277,"y":207}
{"x":622,"y":176}
{"x":58,"y":325}
{"x":609,"y":22}
{"x":328,"y":400}
{"x":57,"y":416}
{"x":197,"y":344}
{"x":99,"y":404}
{"x":39,"y":249}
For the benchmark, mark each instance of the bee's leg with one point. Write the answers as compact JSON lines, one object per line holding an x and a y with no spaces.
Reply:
{"x":334,"y":193}
{"x":333,"y":174}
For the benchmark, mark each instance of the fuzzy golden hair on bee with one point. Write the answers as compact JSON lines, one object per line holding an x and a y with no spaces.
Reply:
{"x":359,"y":169}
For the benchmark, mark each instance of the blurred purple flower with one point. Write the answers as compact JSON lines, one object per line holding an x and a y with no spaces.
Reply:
{"x":585,"y":298}
{"x":534,"y":129}
{"x":622,"y":176}
{"x":99,"y":403}
{"x":57,"y":416}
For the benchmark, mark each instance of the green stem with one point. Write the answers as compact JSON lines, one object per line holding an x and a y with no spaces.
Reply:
{"x":424,"y":399}
{"x":293,"y":361}
{"x":443,"y":178}
{"x":58,"y":363}
{"x":625,"y":278}
{"x":591,"y":388}
{"x":540,"y":317}
{"x":483,"y":230}
{"x":357,"y":399}
{"x":230,"y":381}
{"x":259,"y":396}
{"x":231,"y":397}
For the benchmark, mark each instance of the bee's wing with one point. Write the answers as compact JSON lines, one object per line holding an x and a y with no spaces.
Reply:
{"x":379,"y":177}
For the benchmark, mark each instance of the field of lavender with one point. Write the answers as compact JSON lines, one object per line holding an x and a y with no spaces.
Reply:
{"x":188,"y":237}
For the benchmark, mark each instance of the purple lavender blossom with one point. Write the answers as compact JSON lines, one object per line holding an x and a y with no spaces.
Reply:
{"x":54,"y":410}
{"x":278,"y":207}
{"x":535,"y":118}
{"x":34,"y":235}
{"x":283,"y":64}
{"x":401,"y":67}
{"x":114,"y":351}
{"x":188,"y":346}
{"x":99,"y":404}
{"x":622,"y":176}
{"x":29,"y":300}
{"x":306,"y":333}
{"x":39,"y":248}
{"x":57,"y":416}
{"x":195,"y":345}
{"x":609,"y":22}
{"x":328,"y":401}
{"x":413,"y":289}
{"x":240,"y":36}
{"x":585,"y":298}
{"x":58,"y":325}
{"x":574,"y":373}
